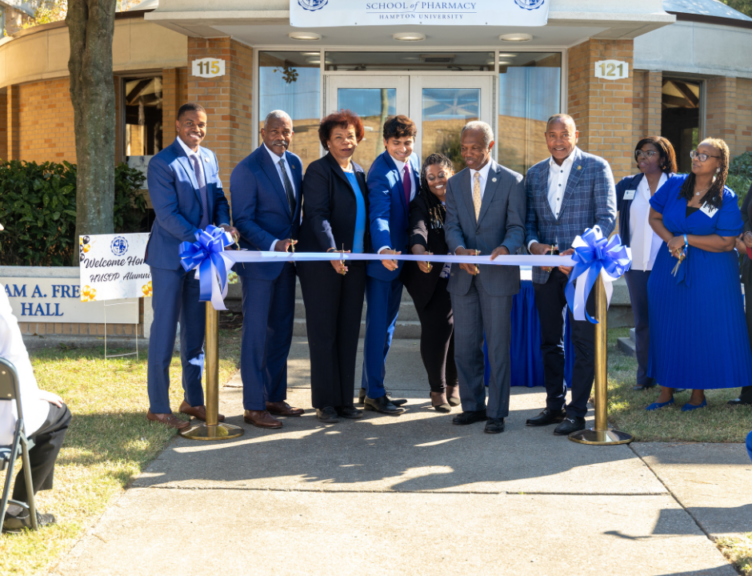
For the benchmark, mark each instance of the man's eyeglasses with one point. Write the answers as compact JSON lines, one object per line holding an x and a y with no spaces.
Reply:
{"x":640,"y":154}
{"x":702,"y":157}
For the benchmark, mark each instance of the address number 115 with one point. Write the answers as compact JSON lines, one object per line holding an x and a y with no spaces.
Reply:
{"x":612,"y":69}
{"x":208,"y":68}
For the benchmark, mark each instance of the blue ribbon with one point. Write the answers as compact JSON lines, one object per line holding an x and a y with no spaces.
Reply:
{"x":206,"y":255}
{"x":594,"y":254}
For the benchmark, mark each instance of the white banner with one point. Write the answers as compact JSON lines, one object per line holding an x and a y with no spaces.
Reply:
{"x":330,"y":13}
{"x":112,"y":267}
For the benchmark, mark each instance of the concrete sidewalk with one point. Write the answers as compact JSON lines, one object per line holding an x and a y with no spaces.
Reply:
{"x":415,"y":495}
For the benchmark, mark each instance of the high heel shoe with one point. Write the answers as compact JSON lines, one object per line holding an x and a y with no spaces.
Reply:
{"x":659,"y":405}
{"x":453,"y":396}
{"x":441,"y":406}
{"x":689,"y":407}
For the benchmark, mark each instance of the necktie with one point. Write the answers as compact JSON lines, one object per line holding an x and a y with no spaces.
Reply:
{"x":407,"y":184}
{"x":288,"y":186}
{"x":476,"y":195}
{"x":196,"y":161}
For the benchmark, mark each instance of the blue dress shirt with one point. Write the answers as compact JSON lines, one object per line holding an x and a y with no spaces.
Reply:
{"x":360,"y":217}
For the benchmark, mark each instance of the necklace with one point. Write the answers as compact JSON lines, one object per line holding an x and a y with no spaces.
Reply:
{"x":701,"y":191}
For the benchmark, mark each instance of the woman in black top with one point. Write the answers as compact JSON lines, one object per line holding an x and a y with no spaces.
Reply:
{"x":427,"y":283}
{"x":335,"y":218}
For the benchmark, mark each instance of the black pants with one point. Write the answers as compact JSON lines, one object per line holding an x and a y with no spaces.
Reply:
{"x":47,"y":443}
{"x":551,"y":303}
{"x":334,"y":305}
{"x":437,"y":338}
{"x":746,"y":395}
{"x":637,"y":282}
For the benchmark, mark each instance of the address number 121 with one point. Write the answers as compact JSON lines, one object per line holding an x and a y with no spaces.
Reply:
{"x":612,"y":69}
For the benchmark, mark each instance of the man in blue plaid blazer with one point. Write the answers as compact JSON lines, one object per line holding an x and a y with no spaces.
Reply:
{"x":566,"y":194}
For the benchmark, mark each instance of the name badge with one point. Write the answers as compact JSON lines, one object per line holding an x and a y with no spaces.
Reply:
{"x":629,"y":194}
{"x":709,"y":210}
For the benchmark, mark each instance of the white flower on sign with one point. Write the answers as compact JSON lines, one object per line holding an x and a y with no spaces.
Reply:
{"x":208,"y":68}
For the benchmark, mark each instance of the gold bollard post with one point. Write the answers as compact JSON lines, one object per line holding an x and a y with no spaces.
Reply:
{"x":212,"y":429}
{"x":601,"y":434}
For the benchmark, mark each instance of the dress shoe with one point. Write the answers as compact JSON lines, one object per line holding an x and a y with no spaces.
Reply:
{"x":658,"y":405}
{"x":283,"y":409}
{"x":453,"y":395}
{"x":382,"y":405}
{"x":470,"y":417}
{"x":395,"y":401}
{"x":261,"y":419}
{"x":349,"y":412}
{"x":568,"y":425}
{"x":547,"y":417}
{"x":494,"y":426}
{"x":689,"y":407}
{"x":639,"y":387}
{"x":198,"y":412}
{"x":439,"y":403}
{"x":169,"y":420}
{"x":327,"y":414}
{"x":23,"y":521}
{"x":739,"y":402}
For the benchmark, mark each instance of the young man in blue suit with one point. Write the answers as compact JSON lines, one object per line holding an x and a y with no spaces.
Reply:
{"x":265,"y":190}
{"x":566,"y":194}
{"x":187,"y":196}
{"x":393,"y":181}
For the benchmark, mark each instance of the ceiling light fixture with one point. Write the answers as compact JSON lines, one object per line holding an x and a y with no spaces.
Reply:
{"x":504,"y":62}
{"x":502,"y":55}
{"x":515,"y":37}
{"x":409,"y":36}
{"x":304,"y":36}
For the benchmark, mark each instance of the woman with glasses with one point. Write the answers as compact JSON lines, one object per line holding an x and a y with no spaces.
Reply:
{"x":698,"y":336}
{"x":427,"y":283}
{"x":656,"y":161}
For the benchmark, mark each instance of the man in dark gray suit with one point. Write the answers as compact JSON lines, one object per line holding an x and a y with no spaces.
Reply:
{"x":566,"y":194}
{"x":485,"y":215}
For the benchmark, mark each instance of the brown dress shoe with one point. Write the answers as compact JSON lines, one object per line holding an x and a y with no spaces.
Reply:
{"x":261,"y":419}
{"x":169,"y":420}
{"x":198,"y":412}
{"x":283,"y":409}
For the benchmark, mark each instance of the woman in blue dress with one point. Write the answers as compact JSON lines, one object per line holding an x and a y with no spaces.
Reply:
{"x":698,"y":335}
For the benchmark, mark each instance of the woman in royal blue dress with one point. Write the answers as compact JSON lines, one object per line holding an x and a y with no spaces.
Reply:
{"x":698,"y":335}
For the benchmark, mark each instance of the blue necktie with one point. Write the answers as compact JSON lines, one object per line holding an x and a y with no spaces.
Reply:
{"x":205,"y":221}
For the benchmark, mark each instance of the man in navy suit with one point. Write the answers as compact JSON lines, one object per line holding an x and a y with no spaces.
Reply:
{"x":187,"y":196}
{"x":393,"y":181}
{"x":265,"y":190}
{"x":566,"y":194}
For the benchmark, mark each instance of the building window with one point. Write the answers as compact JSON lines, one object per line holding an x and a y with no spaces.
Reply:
{"x":291,"y":81}
{"x":529,"y":93}
{"x":680,"y":118}
{"x":143,"y":115}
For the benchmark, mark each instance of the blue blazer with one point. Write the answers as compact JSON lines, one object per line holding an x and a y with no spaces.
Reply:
{"x":260,"y":209}
{"x":177,"y":203}
{"x":389,"y":213}
{"x":589,"y":200}
{"x":624,"y":206}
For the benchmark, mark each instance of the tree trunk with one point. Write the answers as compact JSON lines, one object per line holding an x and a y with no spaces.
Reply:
{"x":91,"y":26}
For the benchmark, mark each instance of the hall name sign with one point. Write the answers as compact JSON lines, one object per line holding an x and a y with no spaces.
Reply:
{"x":314,"y":13}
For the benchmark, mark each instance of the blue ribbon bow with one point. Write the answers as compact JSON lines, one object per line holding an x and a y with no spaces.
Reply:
{"x":593,"y":255}
{"x":206,"y":255}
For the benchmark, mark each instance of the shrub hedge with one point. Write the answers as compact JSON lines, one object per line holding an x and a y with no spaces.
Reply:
{"x":38,"y":211}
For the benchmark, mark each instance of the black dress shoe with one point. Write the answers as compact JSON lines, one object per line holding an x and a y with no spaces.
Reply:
{"x":15,"y":524}
{"x":327,"y":414}
{"x":547,"y":417}
{"x":494,"y":426}
{"x":739,"y":402}
{"x":639,"y":387}
{"x":382,"y":405}
{"x":470,"y":417}
{"x":349,"y":412}
{"x":569,"y":425}
{"x":395,"y":401}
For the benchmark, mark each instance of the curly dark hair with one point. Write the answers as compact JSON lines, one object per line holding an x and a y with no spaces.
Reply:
{"x":435,"y":208}
{"x":714,"y":195}
{"x":399,"y":127}
{"x":665,"y":150}
{"x":341,"y":119}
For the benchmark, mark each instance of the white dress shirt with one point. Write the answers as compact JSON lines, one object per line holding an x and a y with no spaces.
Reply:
{"x":12,"y":348}
{"x":413,"y":185}
{"x":278,"y":166}
{"x":644,"y":242}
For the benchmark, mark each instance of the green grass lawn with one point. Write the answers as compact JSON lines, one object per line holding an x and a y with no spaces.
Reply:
{"x":109,"y":442}
{"x":716,"y":423}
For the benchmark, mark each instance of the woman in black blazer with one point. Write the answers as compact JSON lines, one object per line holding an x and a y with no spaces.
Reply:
{"x":427,"y":284}
{"x":656,"y":161}
{"x":335,"y":219}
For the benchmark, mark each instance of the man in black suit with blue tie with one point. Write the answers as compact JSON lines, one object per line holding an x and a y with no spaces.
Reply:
{"x":265,"y":190}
